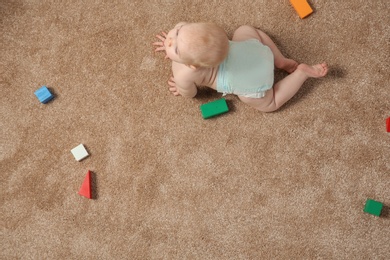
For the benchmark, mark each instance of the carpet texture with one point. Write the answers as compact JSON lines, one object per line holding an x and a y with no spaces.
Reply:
{"x":168,"y":184}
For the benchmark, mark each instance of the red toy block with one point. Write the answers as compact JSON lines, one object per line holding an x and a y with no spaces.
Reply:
{"x":85,"y":189}
{"x":388,"y":124}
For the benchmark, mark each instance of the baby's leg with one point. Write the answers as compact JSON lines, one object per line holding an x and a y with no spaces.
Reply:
{"x":286,"y":88}
{"x":246,"y":32}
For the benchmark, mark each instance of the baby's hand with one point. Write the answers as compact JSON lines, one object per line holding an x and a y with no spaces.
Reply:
{"x":172,"y":88}
{"x":160,"y":44}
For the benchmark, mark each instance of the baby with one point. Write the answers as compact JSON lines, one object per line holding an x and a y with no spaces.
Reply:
{"x":202,"y":55}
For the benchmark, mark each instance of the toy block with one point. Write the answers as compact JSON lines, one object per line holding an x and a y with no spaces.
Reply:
{"x":373,"y":207}
{"x":301,"y":7}
{"x":214,"y":108}
{"x":85,"y":189}
{"x":388,"y":125}
{"x":44,"y":95}
{"x":79,"y":152}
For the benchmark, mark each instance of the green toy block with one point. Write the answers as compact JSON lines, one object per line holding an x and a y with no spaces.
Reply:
{"x":373,"y":207}
{"x":214,"y":108}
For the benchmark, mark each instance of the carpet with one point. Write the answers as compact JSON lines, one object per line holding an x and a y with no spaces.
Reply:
{"x":167,"y":184}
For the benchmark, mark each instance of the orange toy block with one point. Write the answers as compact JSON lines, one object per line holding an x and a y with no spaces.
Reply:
{"x":302,"y":7}
{"x":85,"y":189}
{"x":388,"y":124}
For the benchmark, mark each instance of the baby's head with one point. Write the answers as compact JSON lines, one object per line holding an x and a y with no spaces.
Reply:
{"x":205,"y":44}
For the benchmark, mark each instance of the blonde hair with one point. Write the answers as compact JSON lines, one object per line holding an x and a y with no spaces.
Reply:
{"x":207,"y":45}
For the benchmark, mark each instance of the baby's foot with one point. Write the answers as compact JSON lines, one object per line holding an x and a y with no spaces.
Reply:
{"x":288,"y":65}
{"x":315,"y":71}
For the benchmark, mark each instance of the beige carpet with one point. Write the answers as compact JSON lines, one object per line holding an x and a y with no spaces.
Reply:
{"x":168,"y":184}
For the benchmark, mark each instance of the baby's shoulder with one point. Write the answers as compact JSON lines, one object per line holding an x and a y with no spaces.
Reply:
{"x":183,"y":72}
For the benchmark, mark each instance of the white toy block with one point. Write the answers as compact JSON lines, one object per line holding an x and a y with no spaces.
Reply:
{"x":79,"y":152}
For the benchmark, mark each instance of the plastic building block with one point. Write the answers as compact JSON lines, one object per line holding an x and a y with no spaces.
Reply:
{"x":388,"y":125}
{"x":85,"y":189}
{"x":79,"y":152}
{"x":44,"y":95}
{"x":373,"y":207}
{"x":214,"y":108}
{"x":302,"y":7}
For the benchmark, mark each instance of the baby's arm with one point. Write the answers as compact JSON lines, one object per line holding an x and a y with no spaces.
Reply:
{"x":180,"y":86}
{"x":160,"y":44}
{"x":182,"y":83}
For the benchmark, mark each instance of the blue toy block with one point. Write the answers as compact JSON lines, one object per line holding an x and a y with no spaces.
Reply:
{"x":44,"y":95}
